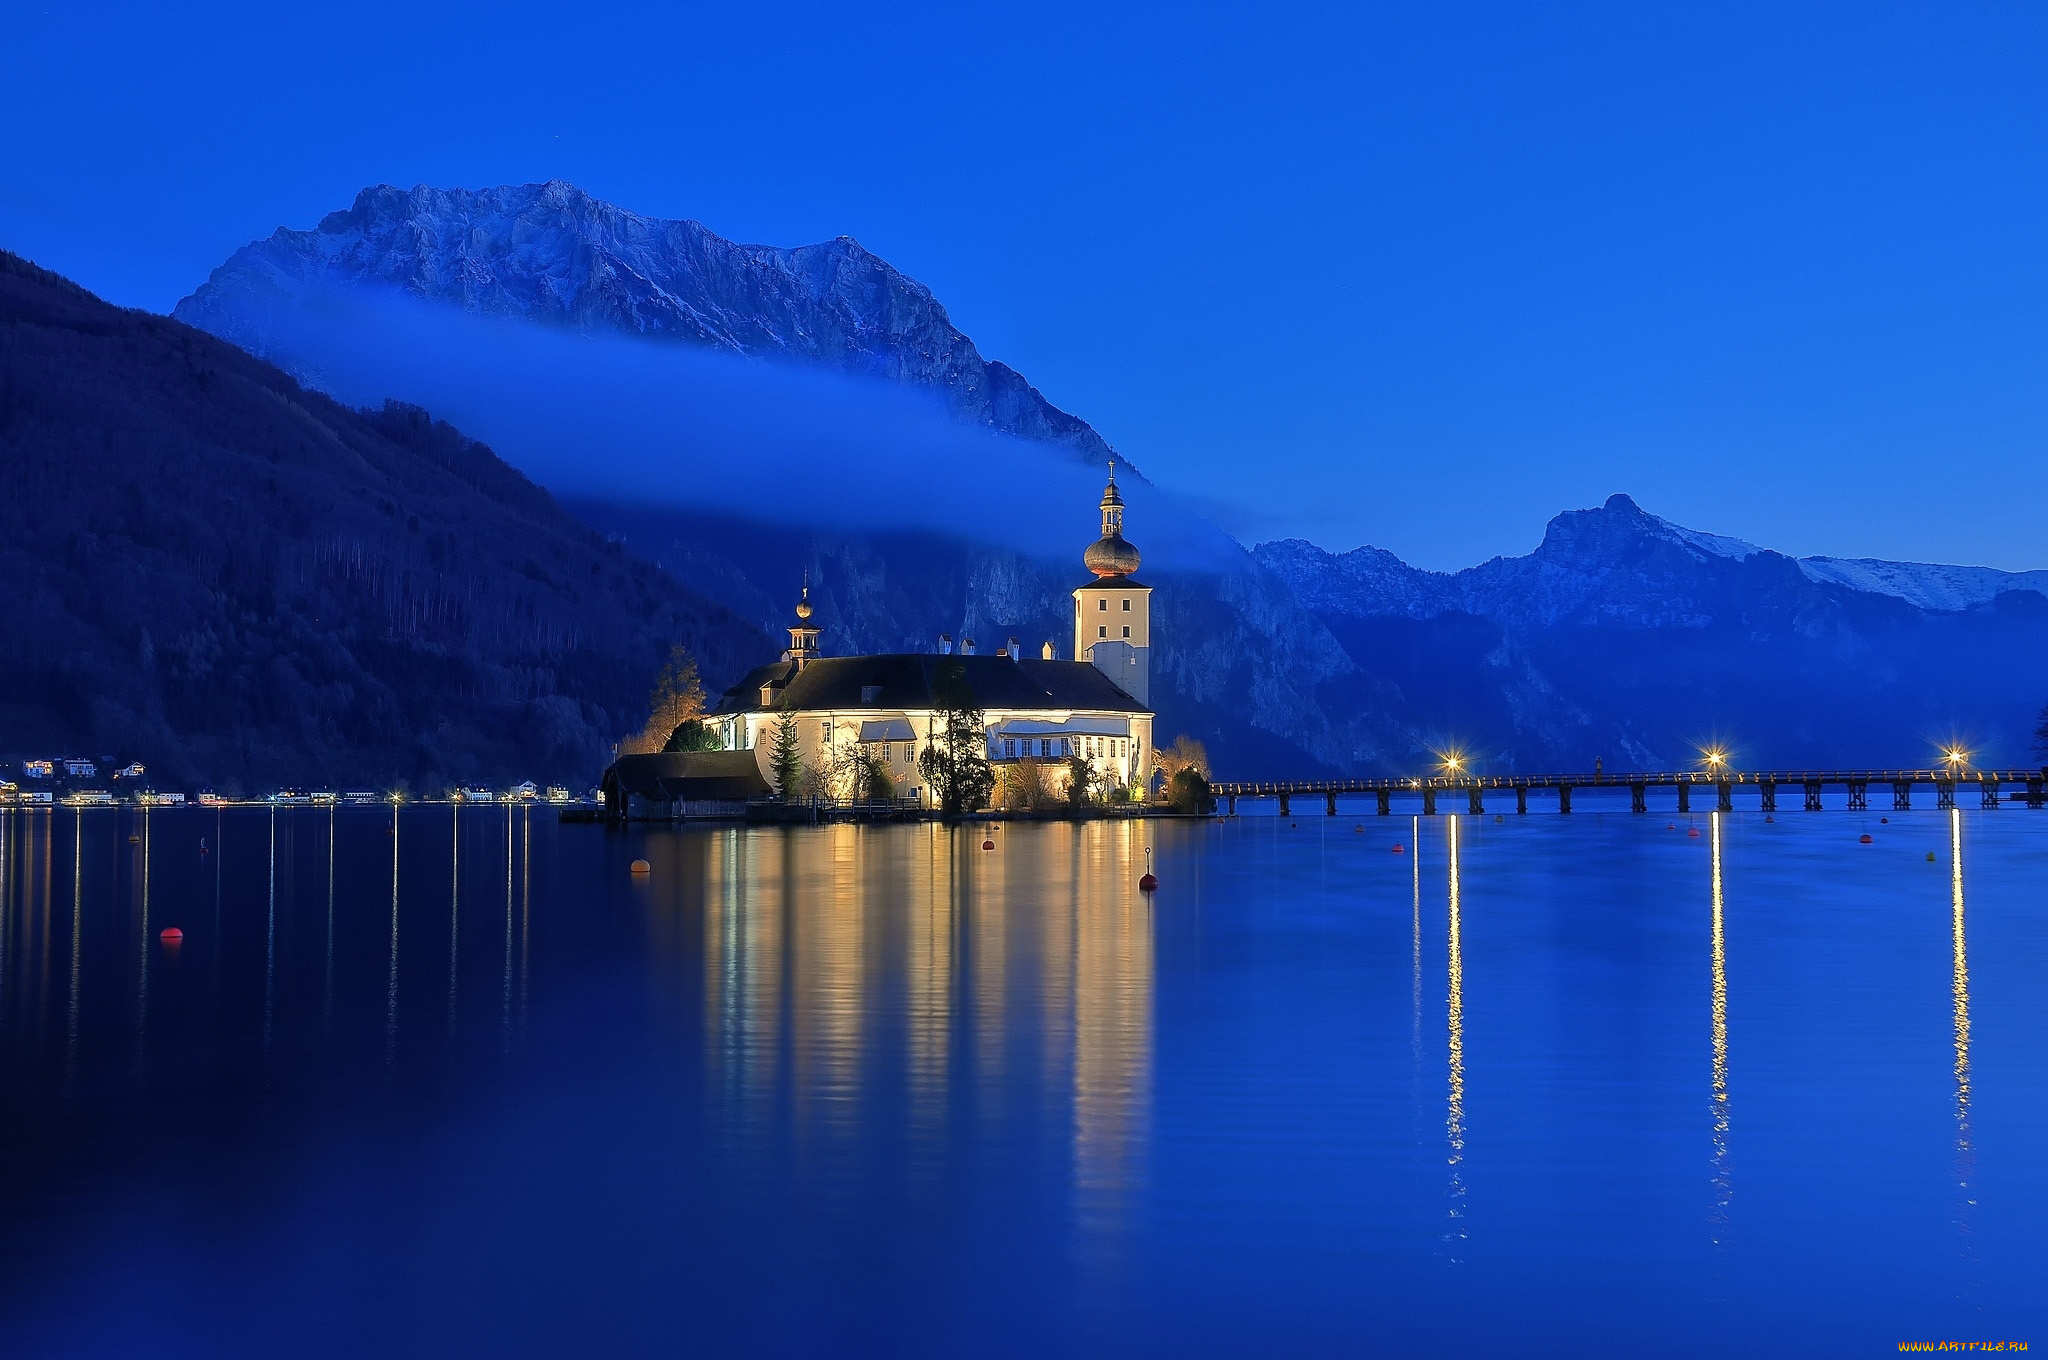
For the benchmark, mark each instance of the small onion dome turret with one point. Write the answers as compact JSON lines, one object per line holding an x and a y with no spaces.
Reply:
{"x":803,"y":604}
{"x":1110,"y":555}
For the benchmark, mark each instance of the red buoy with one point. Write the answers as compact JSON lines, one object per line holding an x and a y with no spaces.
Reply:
{"x":1865,"y":840}
{"x":1147,"y":883}
{"x":988,"y":845}
{"x":1398,"y":849}
{"x":1884,"y":819}
{"x":171,"y":935}
{"x":1692,"y":831}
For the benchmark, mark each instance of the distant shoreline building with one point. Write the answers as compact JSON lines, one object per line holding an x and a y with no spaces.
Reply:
{"x":1095,"y":706}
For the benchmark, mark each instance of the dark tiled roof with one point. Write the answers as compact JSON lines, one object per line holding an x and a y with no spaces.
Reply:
{"x":672,"y":776}
{"x":905,"y":681}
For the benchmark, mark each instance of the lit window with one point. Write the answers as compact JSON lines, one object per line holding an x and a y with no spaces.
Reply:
{"x":1127,"y":630}
{"x":827,"y":733}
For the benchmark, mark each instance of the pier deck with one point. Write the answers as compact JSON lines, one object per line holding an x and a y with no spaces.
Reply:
{"x":1990,"y":788}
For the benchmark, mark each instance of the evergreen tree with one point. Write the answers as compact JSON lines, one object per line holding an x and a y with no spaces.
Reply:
{"x":955,"y":761}
{"x":786,"y":761}
{"x":692,"y":735}
{"x":1188,"y":791}
{"x":1080,"y":781}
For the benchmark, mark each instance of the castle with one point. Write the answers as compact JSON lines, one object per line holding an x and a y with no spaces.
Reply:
{"x":1094,"y":706}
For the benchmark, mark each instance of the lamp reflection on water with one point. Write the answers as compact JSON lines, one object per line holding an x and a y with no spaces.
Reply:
{"x":1723,"y":1189}
{"x":1454,"y":1118}
{"x":1966,"y":1152}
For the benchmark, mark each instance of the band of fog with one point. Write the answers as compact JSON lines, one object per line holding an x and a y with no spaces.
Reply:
{"x":665,"y":423}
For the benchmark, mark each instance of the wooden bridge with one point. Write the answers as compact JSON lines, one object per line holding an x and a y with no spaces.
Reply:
{"x":1989,"y":786}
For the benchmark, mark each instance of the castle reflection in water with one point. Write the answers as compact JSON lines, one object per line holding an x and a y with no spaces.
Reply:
{"x":842,"y":959}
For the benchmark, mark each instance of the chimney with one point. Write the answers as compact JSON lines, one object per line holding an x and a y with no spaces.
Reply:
{"x":945,"y":644}
{"x":1048,"y":651}
{"x":966,"y":645}
{"x":1015,"y":649}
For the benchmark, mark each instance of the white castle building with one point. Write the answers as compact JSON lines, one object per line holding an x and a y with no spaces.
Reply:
{"x":1038,"y":708}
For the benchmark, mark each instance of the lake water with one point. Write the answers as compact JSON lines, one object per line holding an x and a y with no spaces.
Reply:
{"x":1537,"y":1085}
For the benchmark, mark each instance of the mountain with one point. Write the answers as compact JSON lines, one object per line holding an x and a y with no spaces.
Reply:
{"x":1622,"y":636}
{"x":230,"y":577}
{"x":551,"y":253}
{"x":1627,"y":637}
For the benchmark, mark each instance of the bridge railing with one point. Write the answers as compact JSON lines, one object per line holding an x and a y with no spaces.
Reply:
{"x":1696,"y":778}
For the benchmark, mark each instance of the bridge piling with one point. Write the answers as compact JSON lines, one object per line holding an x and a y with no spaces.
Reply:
{"x":1429,"y":802}
{"x":1769,"y":789}
{"x":1521,"y":800}
{"x":1285,"y":810}
{"x":1564,"y":798}
{"x":1726,"y":801}
{"x":1386,"y":803}
{"x":1638,"y":798}
{"x":1859,"y":797}
{"x":1478,"y":807}
{"x":2034,"y":793}
{"x":1944,"y":794}
{"x":1990,"y":787}
{"x":1812,"y":795}
{"x":1684,"y":796}
{"x":1330,"y":805}
{"x":1902,"y":795}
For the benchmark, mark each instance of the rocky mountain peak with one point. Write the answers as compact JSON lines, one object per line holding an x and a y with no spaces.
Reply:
{"x":553,"y":254}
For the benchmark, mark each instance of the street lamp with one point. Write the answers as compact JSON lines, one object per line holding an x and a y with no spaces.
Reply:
{"x":1717,"y":759}
{"x":1955,"y":756}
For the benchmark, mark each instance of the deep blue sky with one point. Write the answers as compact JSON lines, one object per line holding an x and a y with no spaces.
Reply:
{"x":1415,"y":275}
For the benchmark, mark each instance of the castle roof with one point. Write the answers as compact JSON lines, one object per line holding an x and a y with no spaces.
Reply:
{"x":905,"y":681}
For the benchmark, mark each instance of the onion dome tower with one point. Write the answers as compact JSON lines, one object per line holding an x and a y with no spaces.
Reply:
{"x":1113,"y":613}
{"x":1110,"y":555}
{"x":803,"y":636}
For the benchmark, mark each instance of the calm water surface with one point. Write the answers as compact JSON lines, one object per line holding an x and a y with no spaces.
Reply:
{"x":1538,"y":1085}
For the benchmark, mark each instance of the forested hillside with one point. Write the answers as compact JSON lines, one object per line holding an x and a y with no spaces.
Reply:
{"x":233,"y":578}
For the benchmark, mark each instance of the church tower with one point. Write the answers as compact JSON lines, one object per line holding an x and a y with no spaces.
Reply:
{"x":1113,"y":613}
{"x":803,"y":636}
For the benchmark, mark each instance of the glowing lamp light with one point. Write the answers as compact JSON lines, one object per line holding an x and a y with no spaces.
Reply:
{"x":1715,"y":757}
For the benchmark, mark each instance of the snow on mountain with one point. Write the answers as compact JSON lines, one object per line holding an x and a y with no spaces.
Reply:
{"x":552,"y":253}
{"x":1619,"y":562}
{"x":1927,"y":585}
